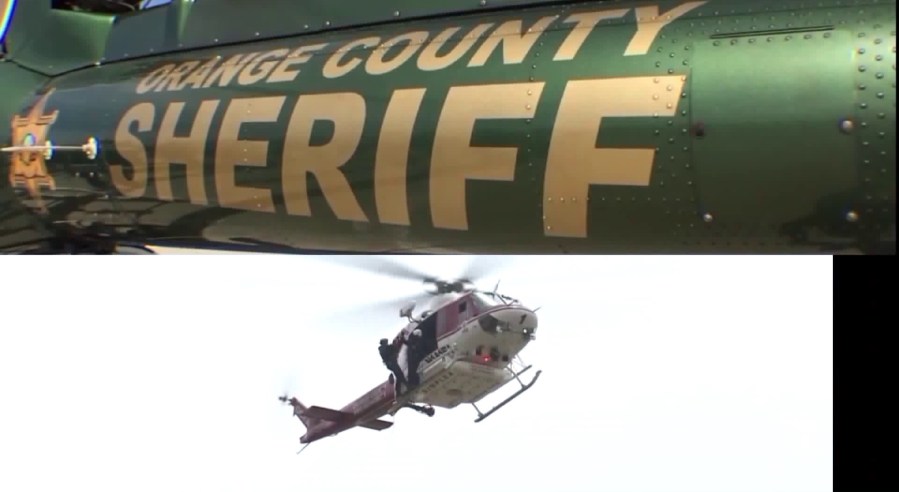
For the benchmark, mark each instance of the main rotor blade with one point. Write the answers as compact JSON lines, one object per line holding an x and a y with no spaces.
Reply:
{"x":380,"y":266}
{"x":359,"y":315}
{"x":482,"y":266}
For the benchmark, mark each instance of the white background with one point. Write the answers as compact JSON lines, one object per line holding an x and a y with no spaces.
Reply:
{"x":660,"y":374}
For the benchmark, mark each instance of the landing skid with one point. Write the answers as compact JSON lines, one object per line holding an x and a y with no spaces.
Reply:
{"x":524,"y":387}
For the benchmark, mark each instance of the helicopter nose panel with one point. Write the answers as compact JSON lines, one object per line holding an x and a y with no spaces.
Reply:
{"x":517,"y":318}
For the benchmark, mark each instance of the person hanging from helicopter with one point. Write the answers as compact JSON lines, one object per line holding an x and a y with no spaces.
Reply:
{"x":414,"y":355}
{"x":389,"y":354}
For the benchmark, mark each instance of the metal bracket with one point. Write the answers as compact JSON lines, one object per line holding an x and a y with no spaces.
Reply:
{"x":90,"y":149}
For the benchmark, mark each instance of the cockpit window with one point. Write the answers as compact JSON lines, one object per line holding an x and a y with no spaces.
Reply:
{"x":6,"y":7}
{"x":108,"y":6}
{"x":480,"y":303}
{"x":488,"y":323}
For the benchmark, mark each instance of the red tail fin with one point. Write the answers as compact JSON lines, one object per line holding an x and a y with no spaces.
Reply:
{"x":299,"y":410}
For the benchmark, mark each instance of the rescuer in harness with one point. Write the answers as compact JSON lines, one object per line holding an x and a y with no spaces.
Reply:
{"x":389,"y":353}
{"x":414,"y":355}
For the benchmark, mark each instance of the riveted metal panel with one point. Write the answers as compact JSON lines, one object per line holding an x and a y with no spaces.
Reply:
{"x":874,"y":40}
{"x":749,"y":92}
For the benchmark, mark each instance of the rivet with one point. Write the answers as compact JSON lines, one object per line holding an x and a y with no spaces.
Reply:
{"x":396,"y":13}
{"x":861,"y":51}
{"x":852,"y":216}
{"x":327,"y":23}
{"x":862,"y":68}
{"x":847,"y":126}
{"x":655,"y":97}
{"x":879,"y":75}
{"x":862,"y":87}
{"x":878,"y":57}
{"x":880,"y":95}
{"x":483,"y":2}
{"x":707,"y":217}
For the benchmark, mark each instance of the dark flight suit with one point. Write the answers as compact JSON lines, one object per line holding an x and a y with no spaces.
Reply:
{"x":388,"y":356}
{"x":413,"y":357}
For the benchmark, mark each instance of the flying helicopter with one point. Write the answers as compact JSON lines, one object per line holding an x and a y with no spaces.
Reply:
{"x":469,"y":345}
{"x":448,"y":126}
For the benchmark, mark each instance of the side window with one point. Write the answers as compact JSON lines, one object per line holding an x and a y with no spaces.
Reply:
{"x":462,"y":306}
{"x":149,"y":4}
{"x":6,"y":8}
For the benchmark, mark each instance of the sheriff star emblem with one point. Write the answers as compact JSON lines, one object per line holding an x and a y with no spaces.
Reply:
{"x":28,"y":168}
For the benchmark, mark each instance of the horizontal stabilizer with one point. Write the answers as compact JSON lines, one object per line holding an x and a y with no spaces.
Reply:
{"x":322,"y":413}
{"x":377,"y":425}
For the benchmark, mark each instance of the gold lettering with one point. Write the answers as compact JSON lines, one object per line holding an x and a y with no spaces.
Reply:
{"x":650,"y":23}
{"x":334,"y":69}
{"x":586,"y":22}
{"x":574,"y":162}
{"x":455,"y":160}
{"x":133,"y":151}
{"x":155,"y":77}
{"x":196,"y":78}
{"x":347,"y":112}
{"x":250,"y":74}
{"x":297,"y":57}
{"x":232,"y":152}
{"x":172,"y":81}
{"x":429,"y":61}
{"x":226,"y":73}
{"x":515,"y":44}
{"x":392,"y":157}
{"x":188,"y":151}
{"x":376,"y":64}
